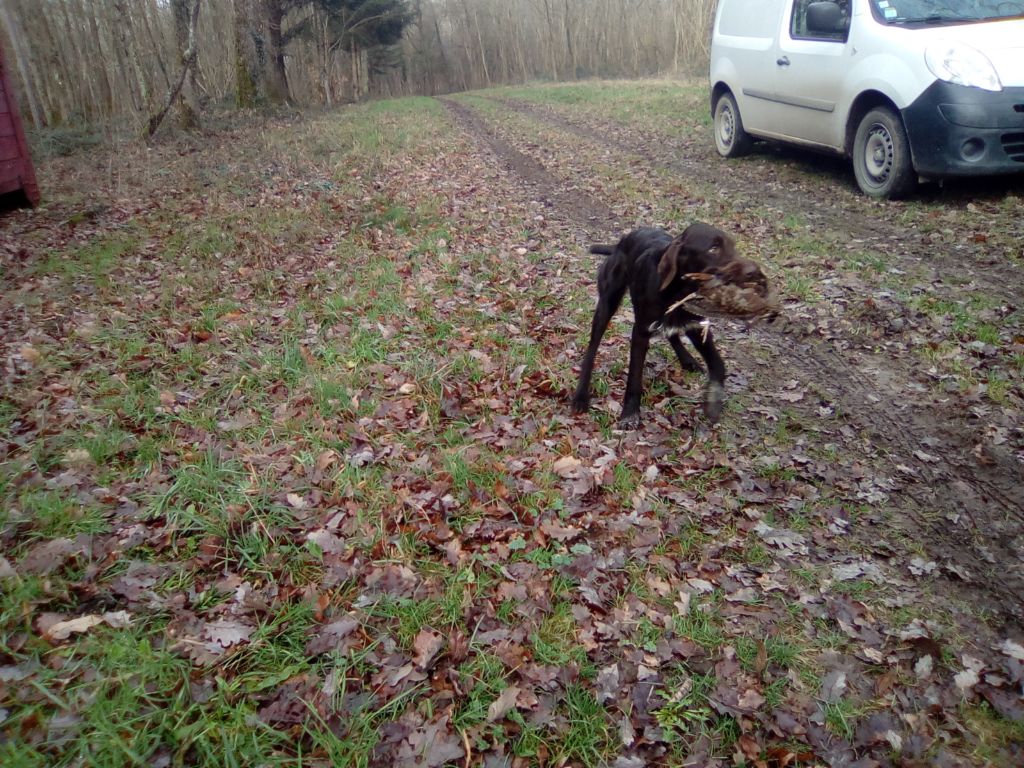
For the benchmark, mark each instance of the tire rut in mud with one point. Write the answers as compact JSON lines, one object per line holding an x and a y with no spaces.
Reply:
{"x":576,"y":208}
{"x":962,"y":511}
{"x":967,"y":515}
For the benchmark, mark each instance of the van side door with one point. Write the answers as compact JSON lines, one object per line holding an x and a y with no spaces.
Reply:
{"x":814,"y":54}
{"x":743,"y":55}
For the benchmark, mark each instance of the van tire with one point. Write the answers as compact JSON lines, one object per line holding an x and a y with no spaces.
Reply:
{"x":730,"y":138}
{"x":881,"y":156}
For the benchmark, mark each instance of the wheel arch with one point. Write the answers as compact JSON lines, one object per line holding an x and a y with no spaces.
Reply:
{"x":863,"y":104}
{"x":717,"y":90}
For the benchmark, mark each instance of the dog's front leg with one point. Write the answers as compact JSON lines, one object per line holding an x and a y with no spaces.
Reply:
{"x":714,"y":398}
{"x":638,"y":345}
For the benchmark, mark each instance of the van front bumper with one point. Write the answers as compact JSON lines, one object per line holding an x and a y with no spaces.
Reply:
{"x":959,"y":131}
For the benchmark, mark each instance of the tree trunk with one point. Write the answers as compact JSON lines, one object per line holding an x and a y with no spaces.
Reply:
{"x":125,"y":31}
{"x":277,"y":77}
{"x":325,"y":52}
{"x":84,"y":93}
{"x":119,"y":47}
{"x":551,"y":40}
{"x":145,"y":12}
{"x":517,"y":46}
{"x":483,"y":50}
{"x":445,"y":66}
{"x":246,"y":59}
{"x":364,"y":71}
{"x":479,"y":40}
{"x":35,"y":54}
{"x":360,"y":61}
{"x":100,"y":61}
{"x":59,"y":77}
{"x":677,"y":35}
{"x":184,"y":35}
{"x":16,"y":36}
{"x":188,"y":60}
{"x":568,"y":42}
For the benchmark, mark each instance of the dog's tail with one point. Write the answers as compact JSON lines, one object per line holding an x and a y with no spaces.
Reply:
{"x":603,"y":250}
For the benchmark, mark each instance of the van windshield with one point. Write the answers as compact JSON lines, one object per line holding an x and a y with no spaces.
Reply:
{"x":939,"y":12}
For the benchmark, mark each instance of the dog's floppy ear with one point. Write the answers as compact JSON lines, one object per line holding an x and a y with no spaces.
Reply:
{"x":668,"y":265}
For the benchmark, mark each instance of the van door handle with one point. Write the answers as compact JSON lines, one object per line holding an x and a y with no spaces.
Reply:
{"x":783,"y":61}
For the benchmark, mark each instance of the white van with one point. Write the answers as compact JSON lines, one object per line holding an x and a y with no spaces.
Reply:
{"x":908,"y":89}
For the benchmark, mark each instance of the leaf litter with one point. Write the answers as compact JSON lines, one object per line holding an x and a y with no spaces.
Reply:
{"x":434,"y":550}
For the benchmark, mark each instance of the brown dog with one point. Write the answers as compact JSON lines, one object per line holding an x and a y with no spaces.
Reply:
{"x":662,"y":273}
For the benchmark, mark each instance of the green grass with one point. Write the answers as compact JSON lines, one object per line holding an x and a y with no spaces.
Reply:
{"x":841,"y":717}
{"x":554,"y":642}
{"x":94,"y":261}
{"x":483,"y":678}
{"x":688,"y":714}
{"x":993,"y":732}
{"x":623,"y":101}
{"x":781,"y":652}
{"x":588,"y":736}
{"x":213,"y":502}
{"x":55,"y":515}
{"x":702,"y":626}
{"x":338,"y":394}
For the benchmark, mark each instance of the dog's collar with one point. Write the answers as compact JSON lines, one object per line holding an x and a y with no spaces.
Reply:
{"x":669,"y":329}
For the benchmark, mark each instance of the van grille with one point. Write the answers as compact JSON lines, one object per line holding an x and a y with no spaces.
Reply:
{"x":1013,"y":144}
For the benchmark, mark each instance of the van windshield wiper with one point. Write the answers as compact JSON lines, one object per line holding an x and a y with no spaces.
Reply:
{"x":935,"y":18}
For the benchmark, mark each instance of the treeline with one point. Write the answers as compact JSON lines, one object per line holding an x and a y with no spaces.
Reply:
{"x":87,"y":61}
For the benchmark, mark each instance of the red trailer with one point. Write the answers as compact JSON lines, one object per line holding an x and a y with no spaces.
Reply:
{"x":16,"y":172}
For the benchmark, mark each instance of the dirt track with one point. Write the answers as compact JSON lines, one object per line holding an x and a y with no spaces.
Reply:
{"x":953,"y":492}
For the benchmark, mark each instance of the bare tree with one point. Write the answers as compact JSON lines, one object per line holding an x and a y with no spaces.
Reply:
{"x":24,"y":64}
{"x":277,"y":76}
{"x":99,"y":57}
{"x":90,"y":60}
{"x":188,"y":61}
{"x":248,"y":69}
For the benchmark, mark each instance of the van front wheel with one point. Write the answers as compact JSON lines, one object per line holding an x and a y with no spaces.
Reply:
{"x":881,"y":156}
{"x":730,"y":138}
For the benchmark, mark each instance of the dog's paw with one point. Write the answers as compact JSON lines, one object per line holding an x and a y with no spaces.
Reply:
{"x":714,"y":400}
{"x":580,"y":404}
{"x":630,"y":422}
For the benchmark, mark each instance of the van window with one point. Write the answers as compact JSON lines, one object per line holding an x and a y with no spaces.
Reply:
{"x":932,"y":12}
{"x":751,"y":18}
{"x":798,"y":26}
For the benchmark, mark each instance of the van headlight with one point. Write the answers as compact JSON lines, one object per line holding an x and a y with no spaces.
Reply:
{"x":961,"y":64}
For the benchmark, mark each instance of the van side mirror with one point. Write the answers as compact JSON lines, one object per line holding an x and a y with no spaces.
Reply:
{"x":825,"y":18}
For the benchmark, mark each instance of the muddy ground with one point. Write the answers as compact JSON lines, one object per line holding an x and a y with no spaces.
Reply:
{"x":964,"y":502}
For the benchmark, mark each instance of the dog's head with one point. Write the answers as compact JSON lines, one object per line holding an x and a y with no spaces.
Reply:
{"x":721,"y":283}
{"x":701,"y":248}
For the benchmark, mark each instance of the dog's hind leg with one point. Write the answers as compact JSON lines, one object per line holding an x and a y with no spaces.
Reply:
{"x":638,"y":346}
{"x":714,"y":397}
{"x":611,"y":286}
{"x":685,"y":358}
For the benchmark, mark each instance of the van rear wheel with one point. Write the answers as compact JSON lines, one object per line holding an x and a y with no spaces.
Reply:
{"x":730,"y":138}
{"x":881,"y":156}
